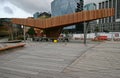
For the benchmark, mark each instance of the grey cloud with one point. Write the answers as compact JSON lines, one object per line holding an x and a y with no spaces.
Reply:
{"x":8,"y":10}
{"x":32,"y":6}
{"x":2,"y":1}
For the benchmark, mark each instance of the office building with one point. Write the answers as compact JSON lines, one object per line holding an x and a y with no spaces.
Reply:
{"x":92,"y":24}
{"x":111,"y":24}
{"x":62,"y":7}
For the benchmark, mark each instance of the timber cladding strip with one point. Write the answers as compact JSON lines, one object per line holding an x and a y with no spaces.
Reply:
{"x":65,"y":20}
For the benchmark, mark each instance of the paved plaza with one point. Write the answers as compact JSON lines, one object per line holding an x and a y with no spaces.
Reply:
{"x":62,"y":60}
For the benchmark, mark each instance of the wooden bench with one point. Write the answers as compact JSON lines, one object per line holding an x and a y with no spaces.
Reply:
{"x":12,"y":47}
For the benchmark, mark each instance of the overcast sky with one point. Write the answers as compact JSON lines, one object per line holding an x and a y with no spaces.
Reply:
{"x":26,"y":8}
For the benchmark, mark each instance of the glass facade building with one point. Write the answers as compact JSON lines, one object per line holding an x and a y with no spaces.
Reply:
{"x":62,"y":7}
{"x":91,"y":6}
{"x":36,"y":15}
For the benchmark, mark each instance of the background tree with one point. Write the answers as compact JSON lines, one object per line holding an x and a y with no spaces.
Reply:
{"x":31,"y":32}
{"x":5,"y":27}
{"x":1,"y":23}
{"x":96,"y":30}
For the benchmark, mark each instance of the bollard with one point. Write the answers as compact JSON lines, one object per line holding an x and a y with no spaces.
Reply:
{"x":55,"y":41}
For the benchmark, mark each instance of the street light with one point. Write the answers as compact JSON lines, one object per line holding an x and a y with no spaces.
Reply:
{"x":112,"y":37}
{"x":23,"y":27}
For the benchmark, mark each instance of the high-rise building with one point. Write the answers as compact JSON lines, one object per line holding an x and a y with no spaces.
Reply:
{"x":62,"y":7}
{"x":36,"y":15}
{"x":110,"y":23}
{"x":41,"y":15}
{"x":118,"y":9}
{"x":91,"y":6}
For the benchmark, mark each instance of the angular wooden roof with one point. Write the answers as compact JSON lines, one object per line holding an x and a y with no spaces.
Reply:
{"x":65,"y":20}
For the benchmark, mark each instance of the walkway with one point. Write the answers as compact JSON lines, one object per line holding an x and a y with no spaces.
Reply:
{"x":102,"y":61}
{"x":72,"y":60}
{"x":40,"y":59}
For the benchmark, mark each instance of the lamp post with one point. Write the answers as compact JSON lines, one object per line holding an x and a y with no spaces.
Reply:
{"x":24,"y":33}
{"x":85,"y":33}
{"x":112,"y":32}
